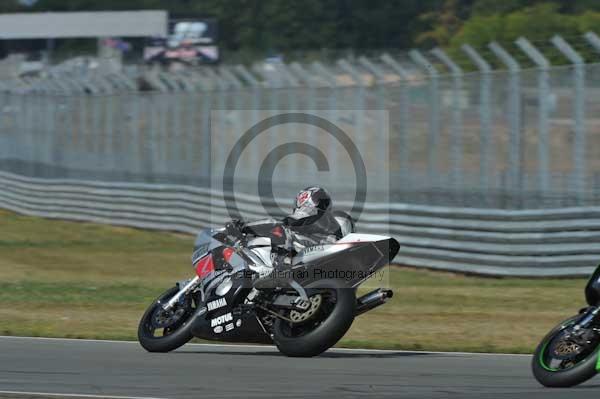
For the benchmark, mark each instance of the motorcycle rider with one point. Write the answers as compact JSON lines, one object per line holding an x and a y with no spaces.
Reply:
{"x":311,"y":223}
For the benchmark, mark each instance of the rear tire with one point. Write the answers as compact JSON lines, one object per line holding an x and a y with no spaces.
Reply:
{"x":582,"y":371}
{"x":326,"y":334}
{"x":176,"y":338}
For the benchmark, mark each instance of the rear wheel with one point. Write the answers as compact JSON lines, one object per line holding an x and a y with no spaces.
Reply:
{"x":566,"y":356}
{"x":313,"y":331}
{"x":163,"y":331}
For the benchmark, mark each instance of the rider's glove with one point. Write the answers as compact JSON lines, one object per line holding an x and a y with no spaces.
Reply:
{"x":234,"y":228}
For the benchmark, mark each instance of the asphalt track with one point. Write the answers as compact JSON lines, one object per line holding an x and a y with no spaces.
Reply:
{"x":75,"y":368}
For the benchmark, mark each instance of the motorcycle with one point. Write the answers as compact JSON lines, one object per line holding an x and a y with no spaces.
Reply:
{"x":568,"y":355}
{"x":238,"y":296}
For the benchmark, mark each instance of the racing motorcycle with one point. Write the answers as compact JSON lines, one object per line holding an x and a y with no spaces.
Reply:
{"x":304,"y":310}
{"x":568,"y":355}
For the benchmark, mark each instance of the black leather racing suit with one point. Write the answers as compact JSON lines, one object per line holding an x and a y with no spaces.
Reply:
{"x":290,"y":236}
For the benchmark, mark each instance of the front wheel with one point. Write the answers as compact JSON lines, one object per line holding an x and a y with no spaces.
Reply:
{"x":322,"y":325}
{"x":566,"y":356}
{"x":163,"y":331}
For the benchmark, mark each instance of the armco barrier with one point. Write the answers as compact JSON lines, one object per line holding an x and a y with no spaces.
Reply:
{"x":549,"y":242}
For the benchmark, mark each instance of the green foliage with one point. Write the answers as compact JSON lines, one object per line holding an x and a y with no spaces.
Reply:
{"x":494,"y":7}
{"x":589,"y":21}
{"x":538,"y":23}
{"x":443,"y":21}
{"x":255,"y":28}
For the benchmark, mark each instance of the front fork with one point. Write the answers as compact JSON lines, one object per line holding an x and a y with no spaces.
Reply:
{"x":186,"y":289}
{"x":589,"y":316}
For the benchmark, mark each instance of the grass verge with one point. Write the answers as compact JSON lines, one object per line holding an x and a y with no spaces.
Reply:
{"x":81,"y":280}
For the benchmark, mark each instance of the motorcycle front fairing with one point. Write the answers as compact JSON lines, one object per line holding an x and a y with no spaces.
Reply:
{"x":224,"y":290}
{"x":225,"y":318}
{"x":205,"y":242}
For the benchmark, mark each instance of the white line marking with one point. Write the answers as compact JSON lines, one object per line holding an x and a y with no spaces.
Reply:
{"x":75,"y":395}
{"x":273,"y":347}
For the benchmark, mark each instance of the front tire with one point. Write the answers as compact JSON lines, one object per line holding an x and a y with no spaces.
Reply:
{"x":555,"y":376}
{"x":175,"y":335}
{"x":329,"y":328}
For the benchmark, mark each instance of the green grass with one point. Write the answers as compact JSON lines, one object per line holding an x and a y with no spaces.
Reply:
{"x":68,"y":279}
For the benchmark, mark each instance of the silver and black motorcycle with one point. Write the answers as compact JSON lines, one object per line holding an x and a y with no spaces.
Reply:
{"x":238,"y":296}
{"x":568,"y":355}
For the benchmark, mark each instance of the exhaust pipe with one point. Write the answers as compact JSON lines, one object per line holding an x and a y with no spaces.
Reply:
{"x":372,"y":300}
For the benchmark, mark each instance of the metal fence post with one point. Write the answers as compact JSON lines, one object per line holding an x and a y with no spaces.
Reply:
{"x":434,"y":113}
{"x":310,"y":105}
{"x":202,"y":136}
{"x":515,"y":178}
{"x":221,"y":94}
{"x":235,"y":84}
{"x":173,"y":115}
{"x":593,"y":40}
{"x":544,"y":110}
{"x":404,"y":113}
{"x":273,"y":83}
{"x":156,"y":163}
{"x":359,"y":105}
{"x":109,"y":130}
{"x":187,"y":112}
{"x":255,"y":104}
{"x":456,"y":150}
{"x":485,"y":120}
{"x":188,"y":115}
{"x":331,"y":81}
{"x":380,"y":104}
{"x":292,"y":88}
{"x":579,"y":146}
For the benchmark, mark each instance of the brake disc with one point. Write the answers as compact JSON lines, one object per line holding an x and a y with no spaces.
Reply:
{"x":566,"y":349}
{"x":567,"y":346}
{"x":315,"y":303}
{"x":166,"y":318}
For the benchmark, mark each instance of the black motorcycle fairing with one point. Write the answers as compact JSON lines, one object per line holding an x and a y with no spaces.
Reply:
{"x":592,"y":288}
{"x":230,"y":326}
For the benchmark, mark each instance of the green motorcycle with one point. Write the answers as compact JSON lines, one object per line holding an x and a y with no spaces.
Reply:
{"x":568,"y":355}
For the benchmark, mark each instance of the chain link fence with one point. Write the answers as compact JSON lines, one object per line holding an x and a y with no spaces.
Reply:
{"x":509,"y":139}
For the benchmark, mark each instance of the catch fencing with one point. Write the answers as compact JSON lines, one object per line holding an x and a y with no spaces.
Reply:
{"x":493,"y":169}
{"x":506,"y":136}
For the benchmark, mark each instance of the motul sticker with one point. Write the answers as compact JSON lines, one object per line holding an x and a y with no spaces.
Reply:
{"x":219,"y":303}
{"x":221,"y":320}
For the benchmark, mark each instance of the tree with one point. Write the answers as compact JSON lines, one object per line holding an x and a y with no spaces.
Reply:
{"x":537,"y":23}
{"x":7,"y":6}
{"x":443,"y":22}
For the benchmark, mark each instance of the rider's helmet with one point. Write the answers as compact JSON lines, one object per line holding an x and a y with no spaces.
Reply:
{"x":310,"y":204}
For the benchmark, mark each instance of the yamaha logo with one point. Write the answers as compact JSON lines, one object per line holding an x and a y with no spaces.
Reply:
{"x":221,"y":320}
{"x":313,"y":249}
{"x":219,"y":303}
